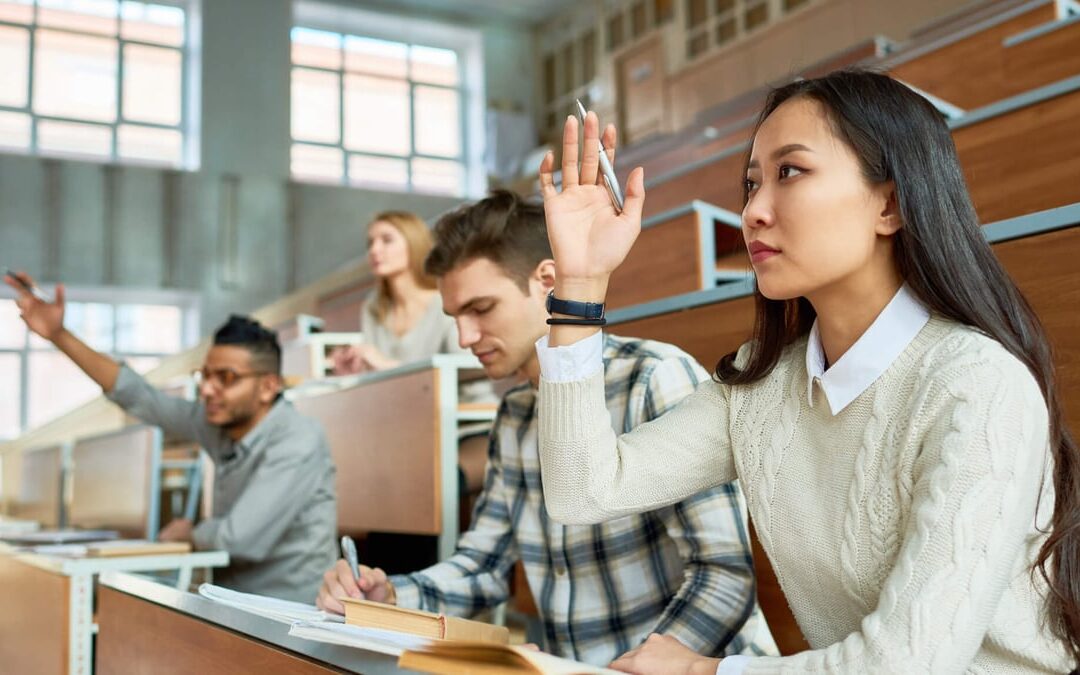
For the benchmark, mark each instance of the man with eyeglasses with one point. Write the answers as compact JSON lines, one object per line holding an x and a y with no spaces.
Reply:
{"x":274,"y":502}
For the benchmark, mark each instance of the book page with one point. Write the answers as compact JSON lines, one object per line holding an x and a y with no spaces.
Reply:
{"x":481,"y":656}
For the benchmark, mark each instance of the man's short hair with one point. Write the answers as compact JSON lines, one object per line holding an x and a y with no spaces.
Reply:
{"x":262,"y":343}
{"x":504,"y":228}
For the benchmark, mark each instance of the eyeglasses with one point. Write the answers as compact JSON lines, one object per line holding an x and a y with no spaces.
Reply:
{"x":221,"y":377}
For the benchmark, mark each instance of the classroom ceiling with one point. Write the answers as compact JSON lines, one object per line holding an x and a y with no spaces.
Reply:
{"x":518,"y":11}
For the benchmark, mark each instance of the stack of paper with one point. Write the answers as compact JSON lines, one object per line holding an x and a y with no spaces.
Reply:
{"x":284,"y":611}
{"x":372,"y":639}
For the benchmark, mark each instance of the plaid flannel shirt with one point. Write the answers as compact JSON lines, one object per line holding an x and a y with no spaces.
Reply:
{"x":684,"y":570}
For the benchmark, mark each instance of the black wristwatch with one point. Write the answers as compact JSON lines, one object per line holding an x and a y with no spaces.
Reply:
{"x":586,"y":310}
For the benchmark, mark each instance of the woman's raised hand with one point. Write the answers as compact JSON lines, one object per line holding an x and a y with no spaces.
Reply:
{"x":589,"y":238}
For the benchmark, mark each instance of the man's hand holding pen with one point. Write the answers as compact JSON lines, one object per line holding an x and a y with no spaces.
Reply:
{"x":339,"y":582}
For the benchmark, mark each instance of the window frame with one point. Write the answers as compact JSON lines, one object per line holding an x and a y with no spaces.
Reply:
{"x":186,"y":125}
{"x":189,"y":304}
{"x":467,"y":43}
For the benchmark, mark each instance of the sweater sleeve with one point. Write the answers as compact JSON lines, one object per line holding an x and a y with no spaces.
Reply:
{"x":592,"y":475}
{"x":976,"y":487}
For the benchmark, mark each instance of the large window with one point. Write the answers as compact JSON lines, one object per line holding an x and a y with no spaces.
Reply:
{"x":97,"y":79}
{"x":391,"y":114}
{"x":38,"y":383}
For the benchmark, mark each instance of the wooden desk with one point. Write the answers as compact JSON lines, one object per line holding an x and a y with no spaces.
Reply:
{"x":147,"y":627}
{"x":394,"y":438}
{"x":47,"y":624}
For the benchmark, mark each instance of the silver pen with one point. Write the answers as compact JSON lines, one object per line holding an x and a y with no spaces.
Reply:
{"x":606,"y":169}
{"x":348,"y":549}
{"x":29,"y":288}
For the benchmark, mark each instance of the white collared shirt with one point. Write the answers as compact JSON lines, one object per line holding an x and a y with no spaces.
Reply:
{"x":871,"y":355}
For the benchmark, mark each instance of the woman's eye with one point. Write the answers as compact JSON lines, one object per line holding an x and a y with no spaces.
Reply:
{"x":787,"y":171}
{"x":750,"y":185}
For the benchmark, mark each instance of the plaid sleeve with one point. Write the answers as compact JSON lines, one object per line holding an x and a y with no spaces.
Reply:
{"x":717,"y":595}
{"x":477,"y":576}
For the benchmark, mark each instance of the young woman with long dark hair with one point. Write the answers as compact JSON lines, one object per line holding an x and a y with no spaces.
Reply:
{"x":893,"y":421}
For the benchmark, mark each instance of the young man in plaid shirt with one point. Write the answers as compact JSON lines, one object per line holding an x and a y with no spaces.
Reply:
{"x":684,"y":570}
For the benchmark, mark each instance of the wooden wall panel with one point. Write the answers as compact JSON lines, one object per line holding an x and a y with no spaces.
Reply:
{"x":980,"y":69}
{"x":139,"y":636}
{"x":1025,"y":161}
{"x":33,"y":619}
{"x":706,"y":333}
{"x":384,"y":439}
{"x":1045,"y":268}
{"x":718,"y":183}
{"x":664,"y":261}
{"x":641,"y":78}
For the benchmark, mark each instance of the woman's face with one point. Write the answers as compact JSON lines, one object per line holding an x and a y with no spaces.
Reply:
{"x":812,"y":222}
{"x":388,"y":253}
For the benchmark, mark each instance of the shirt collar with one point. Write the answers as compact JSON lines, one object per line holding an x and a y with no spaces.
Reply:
{"x":871,"y":355}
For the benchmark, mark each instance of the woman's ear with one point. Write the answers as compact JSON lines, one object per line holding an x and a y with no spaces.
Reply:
{"x":889,"y":220}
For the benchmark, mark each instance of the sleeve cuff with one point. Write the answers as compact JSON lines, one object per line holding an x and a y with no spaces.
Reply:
{"x":205,"y":533}
{"x":571,"y":363}
{"x":123,"y":390}
{"x":406,"y":592}
{"x":733,"y":665}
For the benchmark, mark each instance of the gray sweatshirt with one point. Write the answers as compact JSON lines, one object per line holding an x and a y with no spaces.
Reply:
{"x":274,"y":502}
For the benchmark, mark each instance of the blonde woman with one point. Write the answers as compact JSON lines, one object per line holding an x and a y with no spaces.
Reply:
{"x":402,"y":320}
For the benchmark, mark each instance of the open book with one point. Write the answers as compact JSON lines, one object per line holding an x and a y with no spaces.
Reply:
{"x":285,"y":611}
{"x":425,"y":624}
{"x":478,"y":658}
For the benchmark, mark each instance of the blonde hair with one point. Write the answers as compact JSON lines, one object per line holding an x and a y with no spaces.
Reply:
{"x":417,"y":242}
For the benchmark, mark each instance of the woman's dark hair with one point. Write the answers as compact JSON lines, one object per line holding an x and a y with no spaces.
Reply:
{"x":943,"y":256}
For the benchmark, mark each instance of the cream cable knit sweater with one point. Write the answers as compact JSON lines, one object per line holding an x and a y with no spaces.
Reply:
{"x":902,"y":530}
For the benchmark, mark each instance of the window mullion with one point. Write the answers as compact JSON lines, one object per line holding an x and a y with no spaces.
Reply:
{"x":412,"y":127}
{"x":30,"y":82}
{"x":119,"y":91}
{"x":341,"y":117}
{"x":24,"y":379}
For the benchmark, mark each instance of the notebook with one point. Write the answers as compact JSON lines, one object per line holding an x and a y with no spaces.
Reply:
{"x":285,"y":611}
{"x":115,"y":548}
{"x":478,"y":658}
{"x":425,"y":624}
{"x":60,"y":536}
